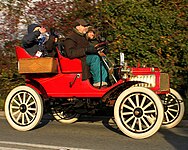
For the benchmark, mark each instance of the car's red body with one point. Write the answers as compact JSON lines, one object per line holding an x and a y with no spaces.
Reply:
{"x":68,"y":81}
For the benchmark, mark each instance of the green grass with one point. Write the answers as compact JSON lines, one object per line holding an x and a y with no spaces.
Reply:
{"x":1,"y":104}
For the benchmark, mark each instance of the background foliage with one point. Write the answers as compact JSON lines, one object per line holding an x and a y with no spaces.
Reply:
{"x":151,"y":32}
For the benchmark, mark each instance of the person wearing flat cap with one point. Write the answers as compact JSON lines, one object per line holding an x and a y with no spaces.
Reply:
{"x":76,"y":45}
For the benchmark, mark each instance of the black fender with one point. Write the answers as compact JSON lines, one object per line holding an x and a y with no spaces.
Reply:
{"x":113,"y":94}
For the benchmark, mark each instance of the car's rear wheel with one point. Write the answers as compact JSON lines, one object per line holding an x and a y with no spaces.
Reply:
{"x":138,"y":112}
{"x":23,"y":108}
{"x":64,"y":113}
{"x":174,"y":109}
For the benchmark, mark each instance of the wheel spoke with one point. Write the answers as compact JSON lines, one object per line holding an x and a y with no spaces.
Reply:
{"x":174,"y":110}
{"x":172,"y":105}
{"x":132,"y":103}
{"x":149,"y":104}
{"x":30,"y":114}
{"x":31,"y":103}
{"x":24,"y":97}
{"x":127,"y":113}
{"x":15,"y":101}
{"x":137,"y":100}
{"x":23,"y":118}
{"x":143,"y":101}
{"x":150,"y":118}
{"x":15,"y":107}
{"x":128,"y":120}
{"x":16,"y":112}
{"x":19,"y":116}
{"x":171,"y":114}
{"x":20,"y":99}
{"x":32,"y":109}
{"x":28,"y":99}
{"x":166,"y":117}
{"x":128,"y":107}
{"x":145,"y":122}
{"x":140,"y":124}
{"x":149,"y":111}
{"x":27,"y":117}
{"x":134,"y":123}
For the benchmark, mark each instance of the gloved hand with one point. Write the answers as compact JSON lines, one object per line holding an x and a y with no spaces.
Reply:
{"x":91,"y":50}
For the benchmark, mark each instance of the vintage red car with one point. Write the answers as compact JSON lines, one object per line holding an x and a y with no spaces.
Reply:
{"x":140,"y":97}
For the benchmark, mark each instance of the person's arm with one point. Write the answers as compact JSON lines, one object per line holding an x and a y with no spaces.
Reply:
{"x":49,"y":45}
{"x":91,"y":50}
{"x":30,"y":39}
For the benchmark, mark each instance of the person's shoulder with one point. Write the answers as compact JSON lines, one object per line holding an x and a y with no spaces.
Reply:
{"x":73,"y":36}
{"x":69,"y":35}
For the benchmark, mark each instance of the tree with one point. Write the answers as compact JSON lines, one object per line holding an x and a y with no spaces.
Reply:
{"x":12,"y":12}
{"x":150,"y":32}
{"x":60,"y":15}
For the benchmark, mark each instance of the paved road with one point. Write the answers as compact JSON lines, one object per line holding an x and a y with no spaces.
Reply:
{"x":96,"y":134}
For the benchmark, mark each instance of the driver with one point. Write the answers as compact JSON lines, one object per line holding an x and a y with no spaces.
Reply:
{"x":77,"y":46}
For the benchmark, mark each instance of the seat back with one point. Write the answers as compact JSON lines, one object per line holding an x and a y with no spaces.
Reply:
{"x":69,"y":65}
{"x":22,"y":53}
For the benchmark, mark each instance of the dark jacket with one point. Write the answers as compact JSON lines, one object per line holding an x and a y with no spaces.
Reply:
{"x":75,"y":46}
{"x":30,"y":41}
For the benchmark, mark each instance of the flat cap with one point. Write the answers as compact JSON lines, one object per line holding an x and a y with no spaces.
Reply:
{"x":90,"y":28}
{"x":81,"y":22}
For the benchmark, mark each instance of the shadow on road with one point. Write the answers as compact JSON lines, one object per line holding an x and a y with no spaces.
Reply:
{"x":107,"y":121}
{"x":111,"y":125}
{"x":177,"y":137}
{"x":44,"y":121}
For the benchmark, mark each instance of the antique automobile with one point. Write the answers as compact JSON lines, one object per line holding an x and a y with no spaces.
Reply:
{"x":140,"y":98}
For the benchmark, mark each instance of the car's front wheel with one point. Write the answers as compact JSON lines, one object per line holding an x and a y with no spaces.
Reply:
{"x":138,"y":112}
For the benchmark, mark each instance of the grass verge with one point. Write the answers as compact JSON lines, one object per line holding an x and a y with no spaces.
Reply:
{"x":1,"y":104}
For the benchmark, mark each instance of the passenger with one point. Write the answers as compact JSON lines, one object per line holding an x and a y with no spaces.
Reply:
{"x":77,"y":46}
{"x":93,"y":60}
{"x":37,"y":42}
{"x":32,"y":42}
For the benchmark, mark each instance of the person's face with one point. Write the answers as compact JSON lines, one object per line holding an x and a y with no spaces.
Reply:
{"x":41,"y":29}
{"x":83,"y":29}
{"x":91,"y":35}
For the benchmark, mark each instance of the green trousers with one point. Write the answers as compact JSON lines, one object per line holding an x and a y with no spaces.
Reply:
{"x":97,"y":68}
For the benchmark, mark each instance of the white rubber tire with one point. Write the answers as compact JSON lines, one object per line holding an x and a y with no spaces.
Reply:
{"x":23,"y":108}
{"x":138,"y":112}
{"x":174,"y":111}
{"x":63,"y":119}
